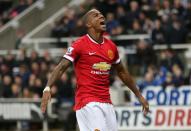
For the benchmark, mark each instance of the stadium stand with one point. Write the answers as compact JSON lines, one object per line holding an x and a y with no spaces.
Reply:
{"x":10,"y":9}
{"x":134,"y":17}
{"x":166,"y":23}
{"x":24,"y":22}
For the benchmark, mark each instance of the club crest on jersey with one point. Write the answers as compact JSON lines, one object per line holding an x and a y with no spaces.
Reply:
{"x":69,"y":51}
{"x":102,"y":66}
{"x":110,"y":54}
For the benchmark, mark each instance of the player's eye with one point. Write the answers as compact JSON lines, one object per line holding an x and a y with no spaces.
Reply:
{"x":96,"y":14}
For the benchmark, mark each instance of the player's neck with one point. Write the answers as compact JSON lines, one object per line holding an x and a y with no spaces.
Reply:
{"x":98,"y":37}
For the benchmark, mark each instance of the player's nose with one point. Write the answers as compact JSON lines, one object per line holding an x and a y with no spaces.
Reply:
{"x":101,"y":17}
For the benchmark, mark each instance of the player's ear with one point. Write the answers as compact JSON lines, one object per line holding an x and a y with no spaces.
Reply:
{"x":88,"y":24}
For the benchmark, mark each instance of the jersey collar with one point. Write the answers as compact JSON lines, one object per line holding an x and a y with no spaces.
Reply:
{"x":92,"y":40}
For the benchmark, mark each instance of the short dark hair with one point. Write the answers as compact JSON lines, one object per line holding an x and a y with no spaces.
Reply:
{"x":86,"y":15}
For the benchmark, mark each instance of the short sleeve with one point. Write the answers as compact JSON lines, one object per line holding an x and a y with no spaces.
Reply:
{"x":116,"y":59}
{"x":73,"y":52}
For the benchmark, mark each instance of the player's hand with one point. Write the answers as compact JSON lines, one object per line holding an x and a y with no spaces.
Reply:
{"x":45,"y":99}
{"x":145,"y":105}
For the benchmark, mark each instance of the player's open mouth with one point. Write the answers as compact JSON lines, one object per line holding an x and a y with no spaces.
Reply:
{"x":102,"y":23}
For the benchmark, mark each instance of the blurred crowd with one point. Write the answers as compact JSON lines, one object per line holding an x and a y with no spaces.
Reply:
{"x":167,"y":21}
{"x":25,"y":77}
{"x":9,"y":9}
{"x":164,"y":68}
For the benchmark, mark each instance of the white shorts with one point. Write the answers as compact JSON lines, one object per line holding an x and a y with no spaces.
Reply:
{"x":97,"y":116}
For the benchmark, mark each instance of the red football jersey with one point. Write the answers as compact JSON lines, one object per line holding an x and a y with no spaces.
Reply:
{"x":92,"y":65}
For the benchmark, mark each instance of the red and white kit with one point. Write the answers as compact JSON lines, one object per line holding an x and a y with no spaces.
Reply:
{"x":92,"y":64}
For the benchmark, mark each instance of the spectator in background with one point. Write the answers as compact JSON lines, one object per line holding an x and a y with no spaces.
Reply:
{"x":79,"y":28}
{"x":70,"y":14}
{"x":121,"y":16}
{"x":10,"y":61}
{"x":142,"y":18}
{"x":145,"y":55}
{"x":24,"y":72}
{"x":136,"y":28}
{"x":61,"y":28}
{"x":177,"y":33}
{"x":22,"y":5}
{"x":178,"y":8}
{"x":37,"y":87}
{"x":133,"y":14}
{"x":149,"y":80}
{"x":155,"y":7}
{"x":15,"y":91}
{"x":166,"y":8}
{"x":158,"y":34}
{"x":146,"y":5}
{"x":112,"y":23}
{"x":44,"y":68}
{"x":35,"y":68}
{"x":168,"y":81}
{"x":26,"y":93}
{"x":34,"y":57}
{"x":64,"y":27}
{"x":18,"y":80}
{"x":148,"y":26}
{"x":65,"y":89}
{"x":6,"y":86}
{"x":22,"y":58}
{"x":47,"y":58}
{"x":161,"y":75}
{"x":178,"y":78}
{"x":165,"y":22}
{"x":168,"y":58}
{"x":118,"y":30}
{"x":5,"y":70}
{"x":106,"y":6}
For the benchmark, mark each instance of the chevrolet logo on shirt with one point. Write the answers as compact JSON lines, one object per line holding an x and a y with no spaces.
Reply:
{"x":102,"y":66}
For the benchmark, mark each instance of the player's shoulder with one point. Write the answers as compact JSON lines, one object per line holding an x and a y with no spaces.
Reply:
{"x":80,"y":40}
{"x":109,"y":41}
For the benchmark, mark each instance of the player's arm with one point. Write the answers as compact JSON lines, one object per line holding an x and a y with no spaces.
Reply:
{"x":56,"y":73}
{"x":128,"y":80}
